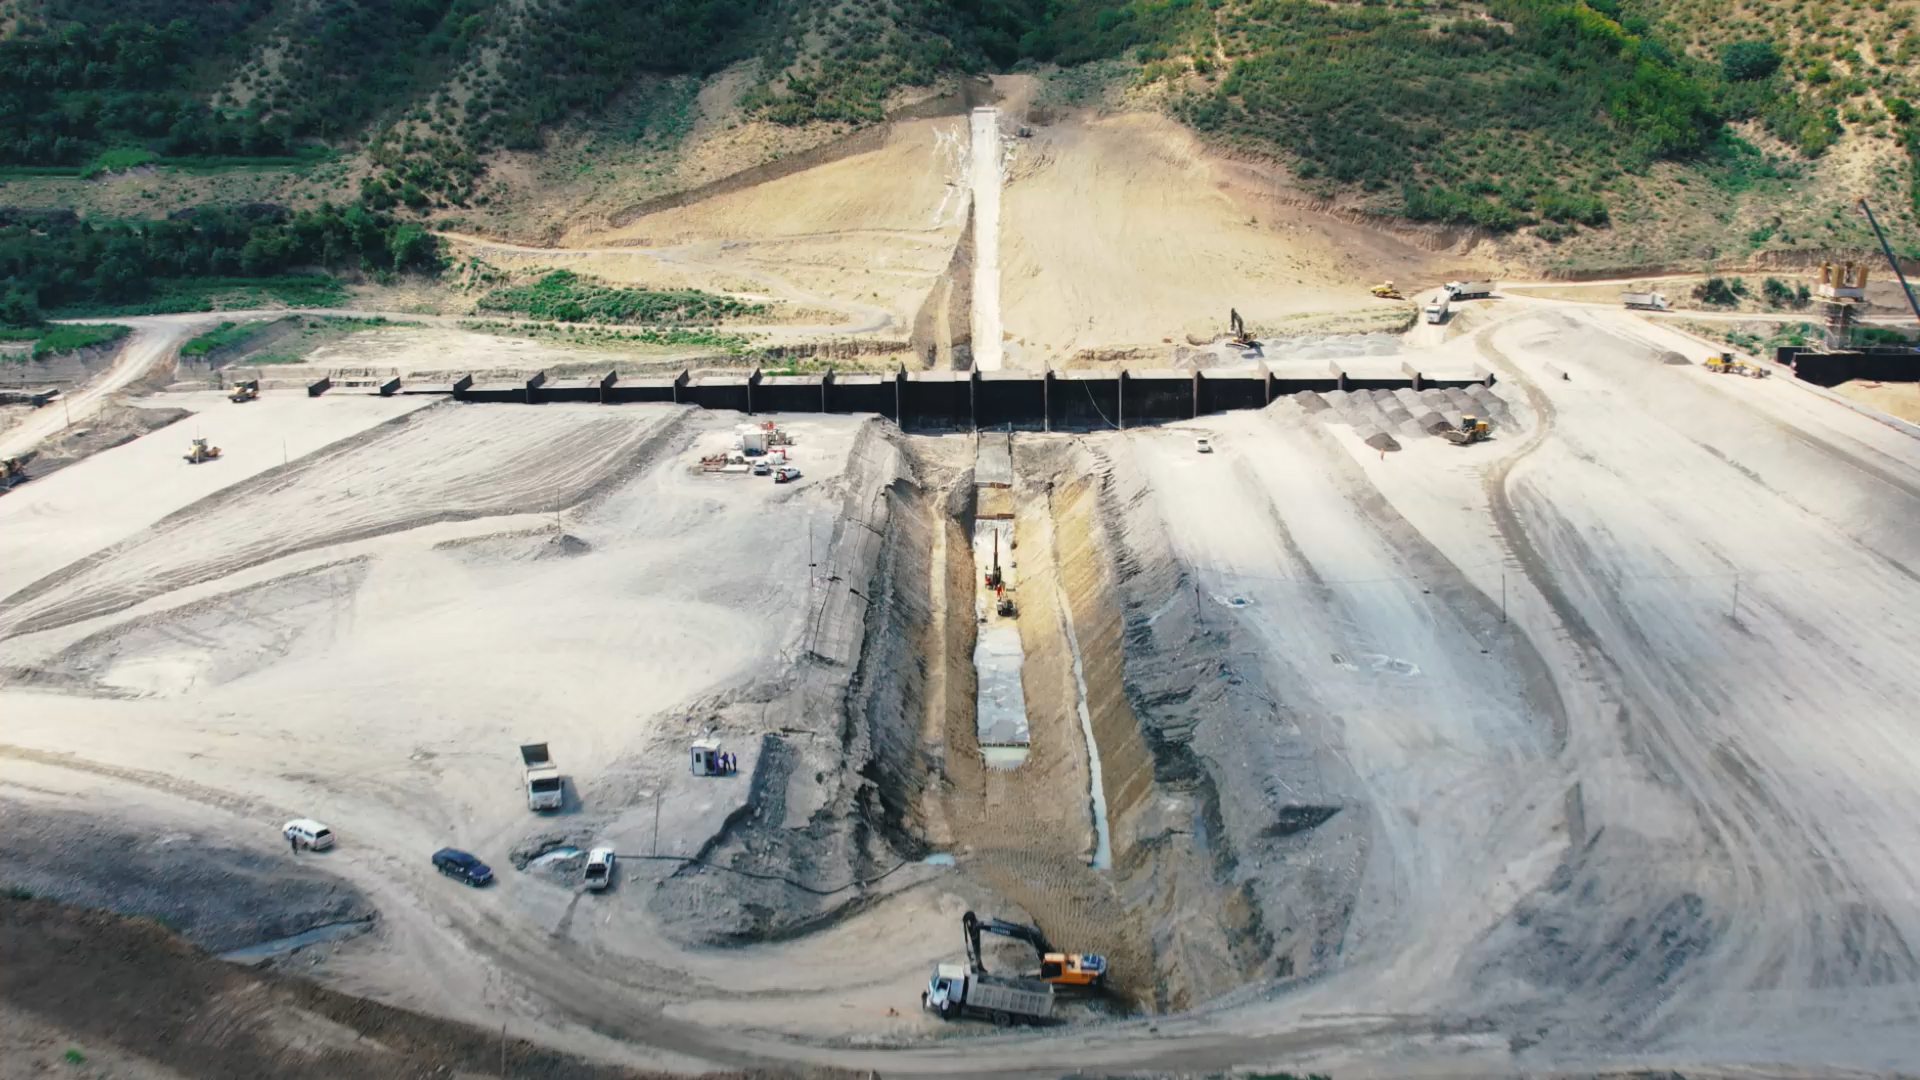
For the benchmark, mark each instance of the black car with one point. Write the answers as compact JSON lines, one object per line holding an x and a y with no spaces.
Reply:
{"x":459,"y":864}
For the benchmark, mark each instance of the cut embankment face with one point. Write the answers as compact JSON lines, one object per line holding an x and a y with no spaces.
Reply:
{"x":1124,"y":233}
{"x":1358,"y":732}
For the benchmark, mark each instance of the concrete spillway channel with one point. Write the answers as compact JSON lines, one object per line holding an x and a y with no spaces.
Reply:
{"x":985,"y":179}
{"x":1000,"y":709}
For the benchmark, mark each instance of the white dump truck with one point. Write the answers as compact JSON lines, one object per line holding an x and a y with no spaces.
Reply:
{"x":544,"y":790}
{"x":958,"y":990}
{"x":1436,"y":311}
{"x":954,"y":992}
{"x":1468,"y":290}
{"x":1644,"y":301}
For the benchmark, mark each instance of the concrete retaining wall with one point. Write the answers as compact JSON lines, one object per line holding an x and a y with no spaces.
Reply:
{"x":1074,"y":400}
{"x":1889,"y":363}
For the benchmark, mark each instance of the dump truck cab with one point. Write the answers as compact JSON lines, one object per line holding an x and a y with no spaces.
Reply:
{"x":946,"y":989}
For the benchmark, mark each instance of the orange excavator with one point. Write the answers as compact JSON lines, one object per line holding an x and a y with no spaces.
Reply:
{"x":1066,"y":971}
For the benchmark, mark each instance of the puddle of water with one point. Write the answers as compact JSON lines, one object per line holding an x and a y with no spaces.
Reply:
{"x":267,"y":950}
{"x":1096,"y":782}
{"x":1231,"y":601}
{"x":549,"y":857}
{"x":1004,"y":757}
{"x":938,"y":858}
{"x":1377,"y":664}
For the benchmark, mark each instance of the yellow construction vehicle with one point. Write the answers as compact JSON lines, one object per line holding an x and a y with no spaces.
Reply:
{"x":1386,"y":291}
{"x":1725,"y":364}
{"x":1238,"y":337}
{"x":13,"y":471}
{"x":1472,"y":429}
{"x":200,"y":451}
{"x":1067,"y":971}
{"x":245,"y":391}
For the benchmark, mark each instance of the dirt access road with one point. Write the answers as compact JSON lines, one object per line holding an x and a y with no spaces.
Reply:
{"x":155,"y":340}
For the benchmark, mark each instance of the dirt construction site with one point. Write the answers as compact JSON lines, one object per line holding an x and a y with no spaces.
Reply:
{"x":1347,"y":745}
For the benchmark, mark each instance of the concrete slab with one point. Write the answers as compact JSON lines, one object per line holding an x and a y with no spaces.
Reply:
{"x":993,"y":460}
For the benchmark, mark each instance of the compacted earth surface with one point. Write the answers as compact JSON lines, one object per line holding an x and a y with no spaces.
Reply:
{"x":1579,"y":748}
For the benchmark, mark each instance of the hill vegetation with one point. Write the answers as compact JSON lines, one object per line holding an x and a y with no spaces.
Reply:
{"x":51,"y":262}
{"x":563,"y":296}
{"x":1504,"y":114}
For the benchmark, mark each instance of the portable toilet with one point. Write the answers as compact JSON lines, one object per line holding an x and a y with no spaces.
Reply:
{"x":706,"y":757}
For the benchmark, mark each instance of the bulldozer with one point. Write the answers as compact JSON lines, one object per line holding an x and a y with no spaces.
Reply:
{"x":1472,"y":429}
{"x":1386,"y":291}
{"x":1066,"y":971}
{"x":199,"y":451}
{"x":245,"y":391}
{"x":1725,"y":364}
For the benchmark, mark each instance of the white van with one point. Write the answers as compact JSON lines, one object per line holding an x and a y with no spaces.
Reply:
{"x":308,"y":833}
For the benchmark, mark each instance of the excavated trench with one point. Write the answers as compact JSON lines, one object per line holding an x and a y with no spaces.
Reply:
{"x":1119,"y":662}
{"x":1148,"y":890}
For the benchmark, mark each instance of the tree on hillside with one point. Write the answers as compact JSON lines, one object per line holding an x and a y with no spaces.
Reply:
{"x":1744,"y":60}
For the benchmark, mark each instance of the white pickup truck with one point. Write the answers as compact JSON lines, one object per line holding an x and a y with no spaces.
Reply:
{"x":544,"y":789}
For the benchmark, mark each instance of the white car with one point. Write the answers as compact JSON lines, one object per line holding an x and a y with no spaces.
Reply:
{"x":307,"y":833}
{"x":599,"y":869}
{"x":1203,"y":445}
{"x":786,"y":474}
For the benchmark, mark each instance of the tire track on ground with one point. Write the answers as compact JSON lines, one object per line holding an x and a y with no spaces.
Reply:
{"x":421,"y":469}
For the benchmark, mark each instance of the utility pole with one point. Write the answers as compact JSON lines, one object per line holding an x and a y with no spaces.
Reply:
{"x":1734,"y":612}
{"x":1503,"y":596}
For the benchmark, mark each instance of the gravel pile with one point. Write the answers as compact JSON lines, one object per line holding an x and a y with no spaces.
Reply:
{"x":1384,"y":418}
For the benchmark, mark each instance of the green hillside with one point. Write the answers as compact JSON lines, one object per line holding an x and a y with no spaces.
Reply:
{"x":1550,"y":119}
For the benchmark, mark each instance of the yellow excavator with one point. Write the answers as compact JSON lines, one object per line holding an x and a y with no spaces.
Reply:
{"x":200,"y":451}
{"x":1066,"y":971}
{"x":1238,"y":336}
{"x":1386,"y":291}
{"x":245,"y":391}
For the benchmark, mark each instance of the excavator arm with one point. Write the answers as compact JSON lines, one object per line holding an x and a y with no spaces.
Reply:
{"x":970,"y":926}
{"x":1020,"y":932}
{"x":1068,"y":970}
